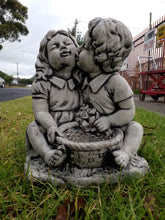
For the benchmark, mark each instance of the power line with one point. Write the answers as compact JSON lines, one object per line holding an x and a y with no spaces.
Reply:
{"x":21,"y":46}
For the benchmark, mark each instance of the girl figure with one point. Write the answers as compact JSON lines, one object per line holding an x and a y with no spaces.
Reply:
{"x":106,"y":45}
{"x":54,"y":94}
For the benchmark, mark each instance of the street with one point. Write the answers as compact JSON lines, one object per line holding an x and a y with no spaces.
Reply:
{"x":158,"y":106}
{"x":7,"y":94}
{"x":151,"y":105}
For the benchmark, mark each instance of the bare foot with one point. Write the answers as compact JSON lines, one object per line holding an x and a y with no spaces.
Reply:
{"x":54,"y":157}
{"x":121,"y":158}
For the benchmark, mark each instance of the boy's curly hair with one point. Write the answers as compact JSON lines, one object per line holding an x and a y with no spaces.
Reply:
{"x":112,"y":42}
{"x":43,"y":68}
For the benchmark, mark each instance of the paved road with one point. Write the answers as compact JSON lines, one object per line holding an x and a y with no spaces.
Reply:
{"x":7,"y":94}
{"x":151,"y":105}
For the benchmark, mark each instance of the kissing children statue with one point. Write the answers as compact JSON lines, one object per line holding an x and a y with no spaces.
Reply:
{"x":84,"y":133}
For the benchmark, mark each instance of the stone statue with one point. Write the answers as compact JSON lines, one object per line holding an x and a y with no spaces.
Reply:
{"x":54,"y":95}
{"x":84,"y":131}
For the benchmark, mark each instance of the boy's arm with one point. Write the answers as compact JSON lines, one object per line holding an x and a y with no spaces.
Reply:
{"x":123,"y":98}
{"x":121,"y":117}
{"x":124,"y":114}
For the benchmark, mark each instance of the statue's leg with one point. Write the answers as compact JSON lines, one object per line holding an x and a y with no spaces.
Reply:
{"x":132,"y":140}
{"x":37,"y":141}
{"x":133,"y":137}
{"x":29,"y":149}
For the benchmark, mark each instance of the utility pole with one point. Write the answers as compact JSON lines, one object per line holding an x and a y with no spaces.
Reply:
{"x":150,"y":21}
{"x":17,"y":72}
{"x":75,"y":27}
{"x":150,"y":26}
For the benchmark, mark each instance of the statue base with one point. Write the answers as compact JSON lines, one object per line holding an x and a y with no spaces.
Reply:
{"x":37,"y":170}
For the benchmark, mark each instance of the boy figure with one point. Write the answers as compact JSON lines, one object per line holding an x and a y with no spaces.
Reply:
{"x":106,"y":45}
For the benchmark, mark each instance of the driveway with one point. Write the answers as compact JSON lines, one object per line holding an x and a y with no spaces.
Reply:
{"x":151,"y":105}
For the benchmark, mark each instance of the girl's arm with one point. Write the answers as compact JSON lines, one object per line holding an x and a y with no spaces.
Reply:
{"x":42,"y":115}
{"x":44,"y":118}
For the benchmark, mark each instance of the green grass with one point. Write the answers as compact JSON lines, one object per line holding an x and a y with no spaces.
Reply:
{"x":130,"y":199}
{"x":136,"y":91}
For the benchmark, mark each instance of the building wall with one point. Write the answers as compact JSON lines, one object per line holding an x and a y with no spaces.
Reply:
{"x":132,"y":73}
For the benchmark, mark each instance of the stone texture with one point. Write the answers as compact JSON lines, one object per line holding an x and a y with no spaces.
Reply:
{"x":84,"y":133}
{"x":37,"y":170}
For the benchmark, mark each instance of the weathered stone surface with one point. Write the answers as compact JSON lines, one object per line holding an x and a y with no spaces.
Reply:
{"x":38,"y":171}
{"x":84,"y":133}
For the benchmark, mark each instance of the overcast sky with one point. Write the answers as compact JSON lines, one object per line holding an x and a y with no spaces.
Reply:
{"x":44,"y":15}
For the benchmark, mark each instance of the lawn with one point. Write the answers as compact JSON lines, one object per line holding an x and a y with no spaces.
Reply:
{"x":129,"y":199}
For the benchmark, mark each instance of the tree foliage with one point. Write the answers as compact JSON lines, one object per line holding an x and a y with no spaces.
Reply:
{"x":8,"y":79}
{"x":12,"y":20}
{"x":77,"y":35}
{"x":25,"y":81}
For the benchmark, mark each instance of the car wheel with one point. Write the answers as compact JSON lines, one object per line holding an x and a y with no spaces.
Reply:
{"x":155,"y":97}
{"x":142,"y":96}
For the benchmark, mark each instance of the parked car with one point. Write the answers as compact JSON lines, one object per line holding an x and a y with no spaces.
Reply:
{"x":29,"y":86}
{"x":2,"y":82}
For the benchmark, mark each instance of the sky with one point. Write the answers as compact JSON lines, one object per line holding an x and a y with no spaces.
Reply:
{"x":45,"y":15}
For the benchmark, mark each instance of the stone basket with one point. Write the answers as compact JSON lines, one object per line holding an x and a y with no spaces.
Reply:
{"x":89,"y":154}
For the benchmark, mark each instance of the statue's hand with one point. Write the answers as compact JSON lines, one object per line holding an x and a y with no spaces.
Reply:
{"x":102,"y":124}
{"x":52,"y":132}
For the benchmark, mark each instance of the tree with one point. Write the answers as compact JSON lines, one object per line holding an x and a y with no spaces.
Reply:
{"x":79,"y":38}
{"x":76,"y":33}
{"x":8,"y":79}
{"x":12,"y":20}
{"x":25,"y":82}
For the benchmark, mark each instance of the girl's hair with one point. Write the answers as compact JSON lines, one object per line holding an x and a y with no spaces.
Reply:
{"x":111,"y":41}
{"x":43,"y":68}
